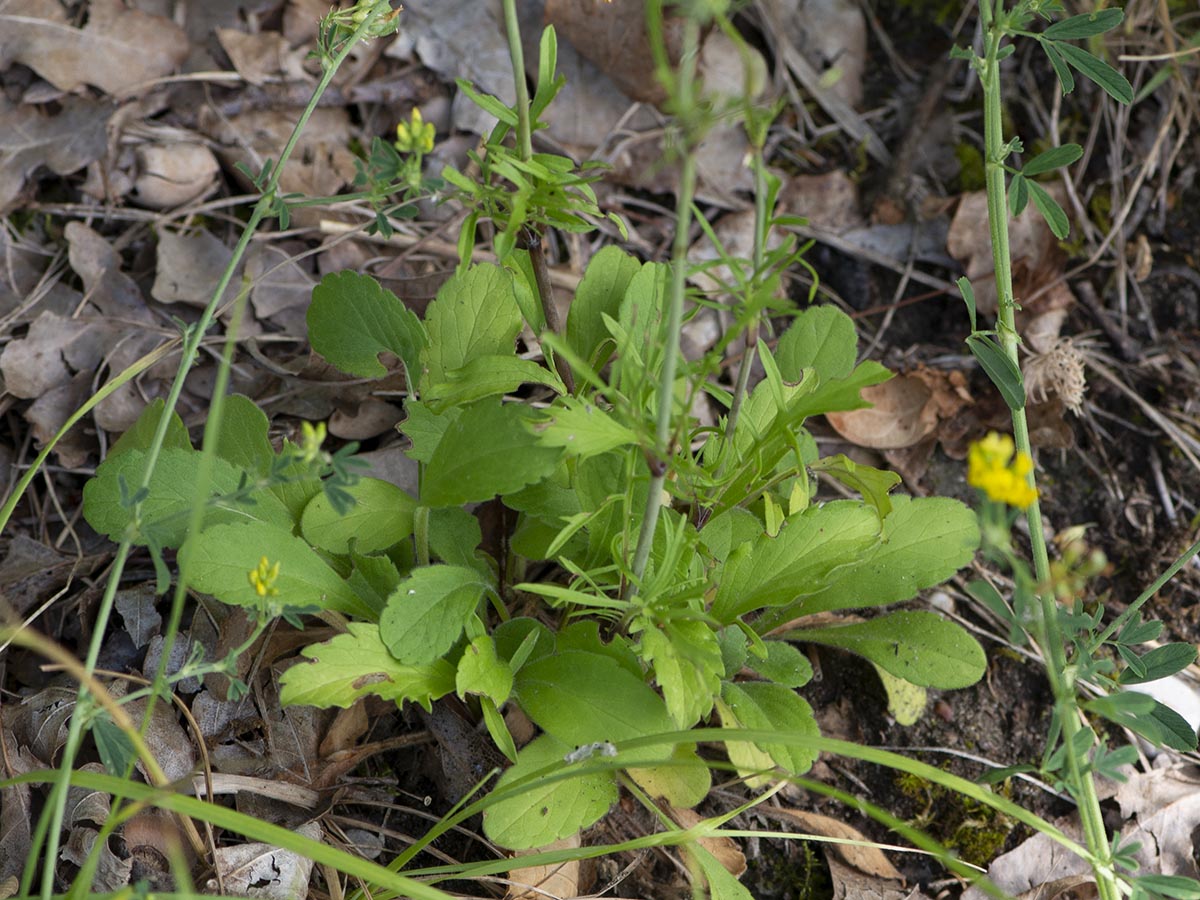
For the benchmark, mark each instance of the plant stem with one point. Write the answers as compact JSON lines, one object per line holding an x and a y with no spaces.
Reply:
{"x":760,"y":250}
{"x":1082,"y":785}
{"x":55,"y":809}
{"x":660,"y":464}
{"x":530,"y":238}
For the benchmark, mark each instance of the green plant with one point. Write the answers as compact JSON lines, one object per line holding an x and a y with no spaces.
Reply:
{"x":1047,"y":605}
{"x":677,"y":564}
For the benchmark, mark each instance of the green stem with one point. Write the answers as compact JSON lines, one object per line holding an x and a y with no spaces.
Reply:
{"x":759,"y":256}
{"x":55,"y":809}
{"x":1082,"y":785}
{"x":660,"y":463}
{"x":516,"y":52}
{"x":531,"y":238}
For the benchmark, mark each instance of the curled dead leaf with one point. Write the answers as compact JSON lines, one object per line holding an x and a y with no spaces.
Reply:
{"x":903,"y":412}
{"x":554,"y":880}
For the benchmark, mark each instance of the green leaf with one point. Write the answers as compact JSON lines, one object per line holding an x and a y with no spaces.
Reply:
{"x":139,"y":436}
{"x":726,"y":531}
{"x":968,"y":295}
{"x":373,"y":579}
{"x":1054,"y":215}
{"x":1092,"y":67}
{"x":721,"y":883}
{"x":426,"y":614}
{"x":581,"y":697}
{"x":486,"y":376}
{"x":906,"y":701}
{"x":488,"y":103}
{"x":999,"y":368}
{"x":116,"y":751}
{"x":1084,"y":26}
{"x":1065,"y":79}
{"x":770,"y":707}
{"x":874,"y":484}
{"x":351,"y":320}
{"x":382,"y":515}
{"x":924,"y":542}
{"x":582,"y":429}
{"x":243,"y":439}
{"x":549,"y":810}
{"x":683,"y":781}
{"x":356,"y":664}
{"x":822,"y":338}
{"x":686,"y":659}
{"x":488,"y":450}
{"x":785,"y":664}
{"x":1018,"y":195}
{"x":799,"y":561}
{"x":425,"y":428}
{"x":1161,"y":662}
{"x":223,"y":556}
{"x":1144,"y":715}
{"x":454,"y":535}
{"x":475,"y":314}
{"x":920,"y":647}
{"x":1054,"y":158}
{"x":165,"y":512}
{"x":1178,"y":887}
{"x":481,"y":671}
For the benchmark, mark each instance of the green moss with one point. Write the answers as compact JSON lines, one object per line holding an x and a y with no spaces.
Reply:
{"x":975,"y":831}
{"x":970,"y":167}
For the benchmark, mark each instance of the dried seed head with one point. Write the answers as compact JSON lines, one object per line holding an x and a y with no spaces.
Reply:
{"x":1059,"y":372}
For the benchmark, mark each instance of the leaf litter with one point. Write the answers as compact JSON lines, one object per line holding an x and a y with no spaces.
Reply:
{"x":134,"y":245}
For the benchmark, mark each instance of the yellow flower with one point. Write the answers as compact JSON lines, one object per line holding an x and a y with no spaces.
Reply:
{"x":992,"y":468}
{"x":263,"y":578}
{"x":415,"y":136}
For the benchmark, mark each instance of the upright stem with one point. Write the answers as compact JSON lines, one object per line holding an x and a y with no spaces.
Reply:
{"x":660,"y":464}
{"x":531,"y":238}
{"x":1062,"y":683}
{"x":760,"y":250}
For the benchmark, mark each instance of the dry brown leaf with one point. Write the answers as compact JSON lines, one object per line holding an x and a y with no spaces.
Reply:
{"x":189,"y":268}
{"x":903,"y":412}
{"x":723,"y":849}
{"x":613,"y":37}
{"x":16,"y":809}
{"x":348,"y":726}
{"x":117,"y":49}
{"x":1036,"y":256}
{"x":851,"y":884}
{"x":371,"y":418}
{"x":49,"y":413}
{"x":280,"y":281}
{"x":1073,"y":887}
{"x":171,"y":175}
{"x":832,"y":35}
{"x":268,"y":871}
{"x":321,"y":165}
{"x":867,"y":859}
{"x":264,"y":56}
{"x":829,"y":201}
{"x":36,"y":363}
{"x":555,"y":880}
{"x":64,"y":142}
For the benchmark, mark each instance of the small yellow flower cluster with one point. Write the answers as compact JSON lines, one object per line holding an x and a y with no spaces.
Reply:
{"x":992,"y":468}
{"x":415,"y":136}
{"x":263,"y":578}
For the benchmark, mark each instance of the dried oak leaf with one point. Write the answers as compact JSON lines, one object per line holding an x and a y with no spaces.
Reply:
{"x":65,"y":142}
{"x":903,"y":411}
{"x":117,"y":49}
